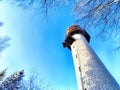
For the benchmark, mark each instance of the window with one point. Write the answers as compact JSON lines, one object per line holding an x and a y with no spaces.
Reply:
{"x":73,"y":46}
{"x":79,"y":69}
{"x":76,"y":56}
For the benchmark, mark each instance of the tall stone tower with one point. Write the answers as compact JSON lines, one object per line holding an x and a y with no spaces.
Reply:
{"x":91,"y":74}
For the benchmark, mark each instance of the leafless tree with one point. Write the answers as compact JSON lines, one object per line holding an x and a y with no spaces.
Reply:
{"x":4,"y":43}
{"x":102,"y":15}
{"x":42,"y":7}
{"x":35,"y":82}
{"x":99,"y":16}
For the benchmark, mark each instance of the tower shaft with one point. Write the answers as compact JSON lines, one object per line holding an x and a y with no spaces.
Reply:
{"x":90,"y":72}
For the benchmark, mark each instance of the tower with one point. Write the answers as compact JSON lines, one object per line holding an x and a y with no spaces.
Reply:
{"x":91,"y":74}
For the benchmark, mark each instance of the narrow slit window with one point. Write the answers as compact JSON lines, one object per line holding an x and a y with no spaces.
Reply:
{"x":79,"y":69}
{"x":76,"y":56}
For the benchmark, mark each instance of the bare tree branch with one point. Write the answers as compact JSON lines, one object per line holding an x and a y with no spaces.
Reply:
{"x":103,"y":14}
{"x":35,"y":82}
{"x":99,"y":16}
{"x":4,"y":43}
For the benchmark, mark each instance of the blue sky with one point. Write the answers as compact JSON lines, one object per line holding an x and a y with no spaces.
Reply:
{"x":37,"y":44}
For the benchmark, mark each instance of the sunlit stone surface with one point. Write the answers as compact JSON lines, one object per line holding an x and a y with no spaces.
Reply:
{"x":90,"y":72}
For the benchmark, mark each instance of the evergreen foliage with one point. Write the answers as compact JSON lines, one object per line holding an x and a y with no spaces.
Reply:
{"x":13,"y":82}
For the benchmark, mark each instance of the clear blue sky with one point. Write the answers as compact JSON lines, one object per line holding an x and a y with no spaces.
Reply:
{"x":37,"y":44}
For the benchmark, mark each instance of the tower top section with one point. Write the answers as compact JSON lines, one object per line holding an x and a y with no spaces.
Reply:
{"x":74,"y":29}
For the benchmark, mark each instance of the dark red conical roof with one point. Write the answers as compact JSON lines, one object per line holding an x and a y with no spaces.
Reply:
{"x":72,"y":28}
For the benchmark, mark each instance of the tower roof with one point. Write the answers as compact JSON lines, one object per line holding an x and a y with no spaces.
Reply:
{"x":72,"y":28}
